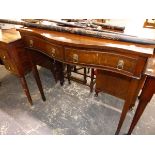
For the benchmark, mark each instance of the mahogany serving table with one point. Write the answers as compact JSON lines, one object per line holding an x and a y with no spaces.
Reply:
{"x":122,"y":61}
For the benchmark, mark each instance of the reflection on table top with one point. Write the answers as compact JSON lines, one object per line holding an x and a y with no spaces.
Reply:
{"x":10,"y":35}
{"x":150,"y":69}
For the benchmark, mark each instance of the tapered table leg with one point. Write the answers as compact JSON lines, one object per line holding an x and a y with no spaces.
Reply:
{"x":130,"y":99}
{"x":26,"y":90}
{"x":38,"y":81}
{"x":145,"y":97}
{"x":36,"y":76}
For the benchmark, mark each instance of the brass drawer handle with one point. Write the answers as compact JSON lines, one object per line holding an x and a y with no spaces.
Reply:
{"x":53,"y":52}
{"x":75,"y":58}
{"x":8,"y":67}
{"x":4,"y":57}
{"x":120,"y":64}
{"x":31,"y":43}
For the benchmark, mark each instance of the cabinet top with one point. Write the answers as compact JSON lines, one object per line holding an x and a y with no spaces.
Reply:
{"x":8,"y":36}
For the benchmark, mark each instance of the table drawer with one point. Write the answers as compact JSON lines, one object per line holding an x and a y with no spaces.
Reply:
{"x":81,"y":56}
{"x":118,"y":62}
{"x":52,"y":50}
{"x":7,"y":61}
{"x":101,"y":59}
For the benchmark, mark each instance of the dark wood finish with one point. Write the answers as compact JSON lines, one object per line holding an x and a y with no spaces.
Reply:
{"x":107,"y":59}
{"x":107,"y":81}
{"x":85,"y":76}
{"x":120,"y":86}
{"x":25,"y":88}
{"x":147,"y":92}
{"x":17,"y":60}
{"x":1,"y":62}
{"x":130,"y":99}
{"x":60,"y":72}
{"x":145,"y":97}
{"x":69,"y":67}
{"x":37,"y":78}
{"x":89,"y":42}
{"x":52,"y":50}
{"x":43,"y":60}
{"x":126,"y":61}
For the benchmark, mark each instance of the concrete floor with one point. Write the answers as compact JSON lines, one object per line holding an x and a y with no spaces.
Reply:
{"x":69,"y":110}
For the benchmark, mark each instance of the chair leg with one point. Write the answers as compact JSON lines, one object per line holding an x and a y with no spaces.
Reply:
{"x":69,"y":73}
{"x":74,"y":68}
{"x":26,"y":90}
{"x":92,"y":80}
{"x":38,"y":81}
{"x":85,"y":75}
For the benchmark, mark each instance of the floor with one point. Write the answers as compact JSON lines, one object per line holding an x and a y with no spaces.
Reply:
{"x":69,"y":110}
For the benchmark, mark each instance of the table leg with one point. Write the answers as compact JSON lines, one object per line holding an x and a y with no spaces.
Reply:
{"x":26,"y":90}
{"x":141,"y":84}
{"x":38,"y":81}
{"x":36,"y":75}
{"x":130,"y":99}
{"x":145,"y":97}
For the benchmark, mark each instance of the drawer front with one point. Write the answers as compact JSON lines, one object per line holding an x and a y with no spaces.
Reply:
{"x":101,"y":59}
{"x":7,"y":61}
{"x":118,"y":62}
{"x":52,"y":50}
{"x":81,"y":56}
